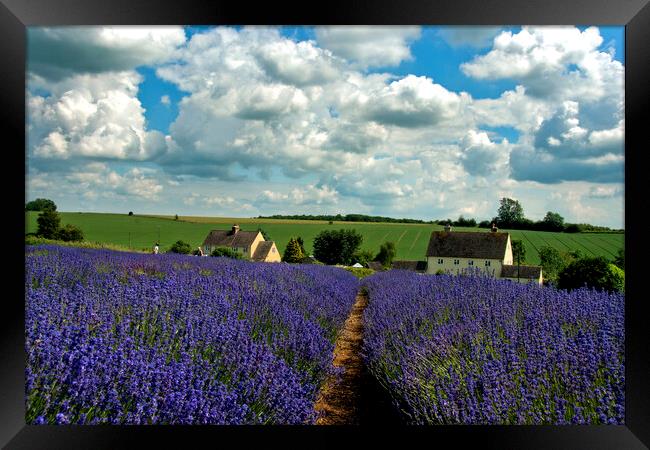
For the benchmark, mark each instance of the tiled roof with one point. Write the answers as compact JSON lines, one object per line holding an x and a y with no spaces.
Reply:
{"x":262,"y":250}
{"x":226,"y":238}
{"x":416,"y":266}
{"x":508,"y":271}
{"x":459,"y":244}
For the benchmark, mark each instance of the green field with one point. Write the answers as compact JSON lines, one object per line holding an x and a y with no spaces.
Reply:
{"x":411,"y":240}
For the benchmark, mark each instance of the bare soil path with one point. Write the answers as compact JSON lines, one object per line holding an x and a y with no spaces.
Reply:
{"x":354,"y":398}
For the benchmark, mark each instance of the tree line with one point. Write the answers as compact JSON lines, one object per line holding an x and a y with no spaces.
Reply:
{"x":344,"y":218}
{"x":510,"y":215}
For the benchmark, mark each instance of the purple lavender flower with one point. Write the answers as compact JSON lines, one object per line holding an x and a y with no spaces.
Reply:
{"x":476,"y":350}
{"x":125,"y":338}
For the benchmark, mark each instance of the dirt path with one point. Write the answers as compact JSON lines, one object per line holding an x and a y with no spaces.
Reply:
{"x":355,"y":398}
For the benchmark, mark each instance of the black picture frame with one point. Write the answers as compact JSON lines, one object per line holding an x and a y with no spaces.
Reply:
{"x":16,"y":15}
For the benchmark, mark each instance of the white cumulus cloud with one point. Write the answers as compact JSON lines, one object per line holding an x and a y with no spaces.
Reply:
{"x":369,"y":46}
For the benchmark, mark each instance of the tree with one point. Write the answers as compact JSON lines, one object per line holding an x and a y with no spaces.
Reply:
{"x":518,"y":251}
{"x":180,"y":247}
{"x":40,"y":204}
{"x":301,"y":243}
{"x":510,"y":212}
{"x":176,"y":217}
{"x":597,"y":273}
{"x":363,"y":257}
{"x":336,"y":246}
{"x":386,"y":254}
{"x":49,"y":222}
{"x":293,"y":254}
{"x":553,"y":221}
{"x":552,"y":262}
{"x":70,"y":233}
{"x":130,"y":213}
{"x":227,"y":252}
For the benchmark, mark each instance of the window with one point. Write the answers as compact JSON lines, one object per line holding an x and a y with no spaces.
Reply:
{"x":487,"y":263}
{"x":470,"y":263}
{"x":440,"y":260}
{"x":456,"y":262}
{"x":272,"y":249}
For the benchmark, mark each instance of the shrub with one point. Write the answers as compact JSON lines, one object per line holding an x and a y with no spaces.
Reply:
{"x":227,"y":252}
{"x":386,"y":254}
{"x":620,"y":259}
{"x":311,"y":260}
{"x":70,"y":233}
{"x":597,"y":273}
{"x":363,"y":257}
{"x":360,"y":272}
{"x":180,"y":247}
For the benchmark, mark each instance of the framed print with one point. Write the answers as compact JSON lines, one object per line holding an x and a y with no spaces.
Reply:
{"x":274,"y":222}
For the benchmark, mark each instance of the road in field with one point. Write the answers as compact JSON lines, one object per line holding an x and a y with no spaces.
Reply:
{"x":411,"y":240}
{"x":355,"y":397}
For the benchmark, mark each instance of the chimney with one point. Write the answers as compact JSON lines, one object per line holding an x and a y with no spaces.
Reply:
{"x":235,"y":229}
{"x":494,"y":228}
{"x":448,"y":227}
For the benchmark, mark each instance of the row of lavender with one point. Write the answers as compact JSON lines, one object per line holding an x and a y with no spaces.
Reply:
{"x":137,"y":339}
{"x":475,"y":350}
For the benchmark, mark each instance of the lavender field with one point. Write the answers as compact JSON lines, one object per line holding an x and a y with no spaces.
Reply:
{"x":474,"y":350}
{"x":126,"y":338}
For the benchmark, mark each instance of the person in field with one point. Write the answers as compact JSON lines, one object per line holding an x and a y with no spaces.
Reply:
{"x":155,"y":248}
{"x":200,"y":252}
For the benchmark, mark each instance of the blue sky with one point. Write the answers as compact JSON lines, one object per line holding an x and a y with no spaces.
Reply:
{"x":425,"y":122}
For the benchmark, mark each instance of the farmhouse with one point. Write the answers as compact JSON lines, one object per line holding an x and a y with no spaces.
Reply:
{"x":453,"y":251}
{"x":249,"y":243}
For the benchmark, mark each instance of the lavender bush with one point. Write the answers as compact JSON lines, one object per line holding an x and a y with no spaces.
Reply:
{"x":127,"y":338}
{"x":476,"y":350}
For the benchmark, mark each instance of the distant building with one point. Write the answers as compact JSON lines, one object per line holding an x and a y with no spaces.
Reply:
{"x":249,"y":243}
{"x":453,"y":252}
{"x":414,"y":266}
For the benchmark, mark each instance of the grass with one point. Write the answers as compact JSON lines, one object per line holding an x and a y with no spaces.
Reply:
{"x":139,"y":233}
